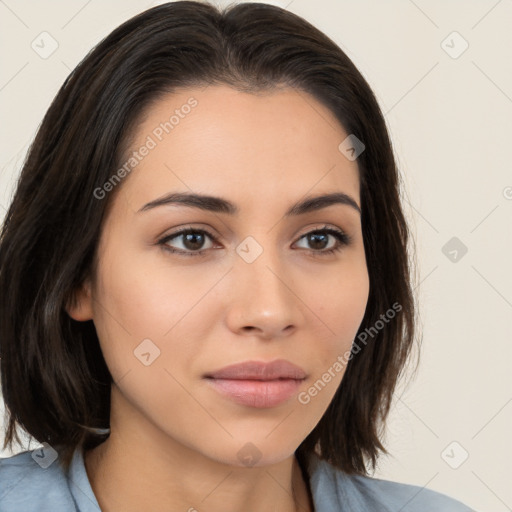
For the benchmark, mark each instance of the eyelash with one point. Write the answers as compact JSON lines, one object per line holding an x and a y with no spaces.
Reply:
{"x":342,"y":240}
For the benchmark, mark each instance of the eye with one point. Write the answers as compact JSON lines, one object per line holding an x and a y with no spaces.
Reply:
{"x":319,"y":240}
{"x":192,"y":241}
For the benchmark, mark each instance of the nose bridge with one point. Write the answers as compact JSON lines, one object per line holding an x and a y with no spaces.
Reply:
{"x":261,"y":296}
{"x":260,"y":265}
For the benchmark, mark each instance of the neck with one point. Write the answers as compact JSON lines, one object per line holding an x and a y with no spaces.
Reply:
{"x":131,"y":476}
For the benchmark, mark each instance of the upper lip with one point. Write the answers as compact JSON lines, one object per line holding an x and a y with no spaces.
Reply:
{"x":257,"y":370}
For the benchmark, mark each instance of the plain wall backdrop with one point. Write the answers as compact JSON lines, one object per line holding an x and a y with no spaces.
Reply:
{"x":442,"y":73}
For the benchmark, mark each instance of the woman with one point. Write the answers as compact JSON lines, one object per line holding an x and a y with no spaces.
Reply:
{"x":206,"y":290}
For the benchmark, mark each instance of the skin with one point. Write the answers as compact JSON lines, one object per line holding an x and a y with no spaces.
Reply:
{"x":174,"y":440}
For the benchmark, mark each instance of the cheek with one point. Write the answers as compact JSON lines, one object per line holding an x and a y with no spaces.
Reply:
{"x":341,"y":305}
{"x":150,"y":299}
{"x":136,"y":301}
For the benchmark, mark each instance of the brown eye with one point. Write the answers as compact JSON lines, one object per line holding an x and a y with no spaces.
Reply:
{"x":192,"y":241}
{"x":318,"y":240}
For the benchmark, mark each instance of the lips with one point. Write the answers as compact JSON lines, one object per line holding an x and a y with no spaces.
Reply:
{"x":256,"y":384}
{"x":256,"y":370}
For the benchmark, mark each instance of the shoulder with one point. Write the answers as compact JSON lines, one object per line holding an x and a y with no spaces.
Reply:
{"x":30,"y":482}
{"x":335,"y":490}
{"x":405,"y":497}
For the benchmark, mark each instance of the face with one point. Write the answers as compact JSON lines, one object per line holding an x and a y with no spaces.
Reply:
{"x":258,"y":284}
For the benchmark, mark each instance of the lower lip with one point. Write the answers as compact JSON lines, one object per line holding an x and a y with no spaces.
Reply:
{"x":257,"y":393}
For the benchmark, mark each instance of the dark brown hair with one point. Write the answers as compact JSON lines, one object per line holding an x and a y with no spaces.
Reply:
{"x":55,"y":383}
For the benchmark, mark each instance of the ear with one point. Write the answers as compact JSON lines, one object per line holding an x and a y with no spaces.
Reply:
{"x":79,"y":307}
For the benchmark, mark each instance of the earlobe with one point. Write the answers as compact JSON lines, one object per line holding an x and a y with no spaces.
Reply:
{"x":79,"y":306}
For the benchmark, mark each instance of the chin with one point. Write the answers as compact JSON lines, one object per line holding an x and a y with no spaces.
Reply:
{"x":256,"y":455}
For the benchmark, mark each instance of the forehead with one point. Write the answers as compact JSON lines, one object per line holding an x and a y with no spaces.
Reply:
{"x":218,"y":140}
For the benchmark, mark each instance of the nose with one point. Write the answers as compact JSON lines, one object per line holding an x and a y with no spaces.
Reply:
{"x":262,"y":299}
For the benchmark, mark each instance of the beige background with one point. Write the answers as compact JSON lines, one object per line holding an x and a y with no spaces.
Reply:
{"x":450,"y":117}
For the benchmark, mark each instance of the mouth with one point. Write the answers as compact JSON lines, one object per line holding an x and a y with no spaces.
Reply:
{"x":260,"y":394}
{"x":258,"y":370}
{"x":258,"y":384}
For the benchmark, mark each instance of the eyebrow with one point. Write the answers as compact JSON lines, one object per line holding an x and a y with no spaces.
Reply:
{"x":220,"y":205}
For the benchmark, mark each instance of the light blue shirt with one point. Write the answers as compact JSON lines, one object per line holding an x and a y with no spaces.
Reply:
{"x":25,"y":486}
